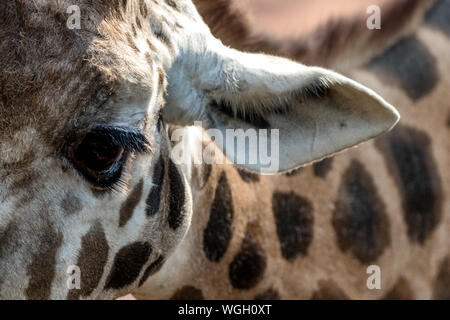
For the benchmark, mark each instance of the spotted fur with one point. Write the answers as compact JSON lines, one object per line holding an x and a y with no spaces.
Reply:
{"x":187,"y":231}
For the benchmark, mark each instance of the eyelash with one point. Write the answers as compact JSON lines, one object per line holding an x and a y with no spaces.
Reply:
{"x":109,"y":148}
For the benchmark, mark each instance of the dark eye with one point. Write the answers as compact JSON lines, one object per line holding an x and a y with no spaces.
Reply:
{"x":99,"y":158}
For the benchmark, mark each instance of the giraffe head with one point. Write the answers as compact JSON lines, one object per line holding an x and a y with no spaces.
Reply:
{"x":87,"y":184}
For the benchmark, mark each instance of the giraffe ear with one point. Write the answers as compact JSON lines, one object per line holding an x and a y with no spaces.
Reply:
{"x":301,"y":114}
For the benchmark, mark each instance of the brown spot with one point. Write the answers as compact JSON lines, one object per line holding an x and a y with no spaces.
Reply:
{"x":438,"y":17}
{"x":322,"y":168}
{"x":248,"y":266}
{"x":177,"y":196}
{"x":417,"y":75}
{"x":153,"y":201}
{"x":43,"y":265}
{"x":128,"y":207}
{"x":9,"y":240}
{"x":359,"y":219}
{"x":329,"y":290}
{"x":92,"y":259}
{"x":24,"y":180}
{"x":294,"y":221}
{"x":188,"y":293}
{"x":248,"y":176}
{"x":408,"y":156}
{"x":400,"y":291}
{"x":220,"y":222}
{"x":270,"y":294}
{"x":442,"y":282}
{"x":71,"y":204}
{"x":128,"y":263}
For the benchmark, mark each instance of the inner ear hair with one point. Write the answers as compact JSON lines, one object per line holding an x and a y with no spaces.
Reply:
{"x":255,"y":108}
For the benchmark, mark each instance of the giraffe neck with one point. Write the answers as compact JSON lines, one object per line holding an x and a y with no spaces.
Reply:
{"x":242,"y":239}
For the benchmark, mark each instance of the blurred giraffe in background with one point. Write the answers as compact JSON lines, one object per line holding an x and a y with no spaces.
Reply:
{"x":407,"y":62}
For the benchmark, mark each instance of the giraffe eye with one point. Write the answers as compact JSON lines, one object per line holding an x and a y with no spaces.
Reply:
{"x":99,"y":158}
{"x":101,"y":154}
{"x":98,"y":153}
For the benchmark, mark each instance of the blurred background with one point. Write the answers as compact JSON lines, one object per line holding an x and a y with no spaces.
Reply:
{"x":291,"y":18}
